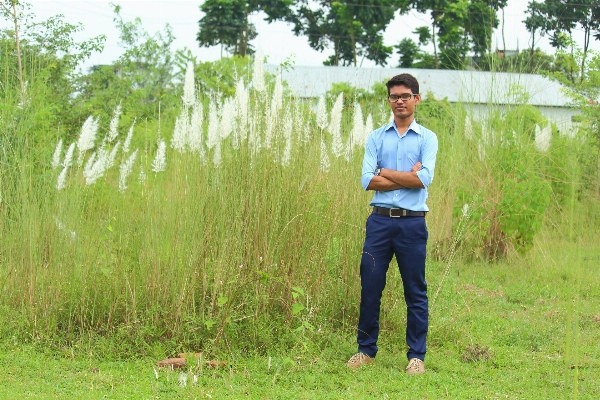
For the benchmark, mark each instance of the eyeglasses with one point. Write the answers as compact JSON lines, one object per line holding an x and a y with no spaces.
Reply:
{"x":404,"y":96}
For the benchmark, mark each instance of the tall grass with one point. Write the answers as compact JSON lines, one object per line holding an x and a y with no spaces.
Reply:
{"x":244,"y":241}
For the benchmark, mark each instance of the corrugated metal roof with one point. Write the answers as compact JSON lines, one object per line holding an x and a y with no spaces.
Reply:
{"x":456,"y":86}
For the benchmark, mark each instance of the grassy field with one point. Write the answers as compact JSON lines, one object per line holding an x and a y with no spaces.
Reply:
{"x":528,"y":329}
{"x":239,"y":232}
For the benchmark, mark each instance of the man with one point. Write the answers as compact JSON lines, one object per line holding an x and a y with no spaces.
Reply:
{"x":398,"y":165}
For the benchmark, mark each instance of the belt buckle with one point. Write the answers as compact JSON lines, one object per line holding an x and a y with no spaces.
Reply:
{"x":402,"y":214}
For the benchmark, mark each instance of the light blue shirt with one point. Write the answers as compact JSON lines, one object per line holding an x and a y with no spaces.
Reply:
{"x":387,"y":149}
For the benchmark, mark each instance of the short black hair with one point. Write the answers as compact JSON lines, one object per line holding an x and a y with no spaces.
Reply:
{"x":403,"y":79}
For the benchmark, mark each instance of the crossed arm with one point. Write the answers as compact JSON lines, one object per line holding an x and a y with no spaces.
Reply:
{"x":390,"y":179}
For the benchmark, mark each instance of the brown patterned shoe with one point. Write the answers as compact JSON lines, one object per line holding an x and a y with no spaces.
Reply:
{"x":415,"y":367}
{"x":358,"y":360}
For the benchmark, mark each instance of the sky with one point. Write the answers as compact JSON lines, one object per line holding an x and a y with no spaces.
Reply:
{"x":275,"y":40}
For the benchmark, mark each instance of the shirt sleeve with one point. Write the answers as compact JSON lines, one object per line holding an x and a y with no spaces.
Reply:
{"x":369,"y":162}
{"x":429,"y":154}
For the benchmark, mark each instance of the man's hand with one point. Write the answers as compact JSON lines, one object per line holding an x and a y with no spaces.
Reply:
{"x":416,"y":167}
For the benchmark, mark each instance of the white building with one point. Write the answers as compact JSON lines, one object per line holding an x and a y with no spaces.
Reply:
{"x":478,"y":91}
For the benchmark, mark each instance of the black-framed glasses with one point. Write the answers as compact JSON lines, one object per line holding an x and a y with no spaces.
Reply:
{"x":404,"y":97}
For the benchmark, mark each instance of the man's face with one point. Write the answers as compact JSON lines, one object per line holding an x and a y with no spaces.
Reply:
{"x":403,"y":109}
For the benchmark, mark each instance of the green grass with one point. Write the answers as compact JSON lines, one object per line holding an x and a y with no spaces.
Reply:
{"x":256,"y":260}
{"x":535,"y":330}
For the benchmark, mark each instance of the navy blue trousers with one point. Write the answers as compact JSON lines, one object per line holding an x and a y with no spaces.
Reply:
{"x":406,"y":238}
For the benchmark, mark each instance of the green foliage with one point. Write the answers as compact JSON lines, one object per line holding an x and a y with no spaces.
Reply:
{"x":524,"y":62}
{"x":409,"y":51}
{"x":438,"y":114}
{"x":354,"y":30}
{"x":502,"y":207}
{"x":225,"y":22}
{"x":222,"y":75}
{"x":141,"y":79}
{"x":523,"y":205}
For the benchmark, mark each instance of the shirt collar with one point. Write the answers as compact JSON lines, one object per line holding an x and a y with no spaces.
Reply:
{"x":413,"y":125}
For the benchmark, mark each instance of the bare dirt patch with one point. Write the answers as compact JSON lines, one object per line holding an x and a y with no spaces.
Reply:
{"x":476,"y":352}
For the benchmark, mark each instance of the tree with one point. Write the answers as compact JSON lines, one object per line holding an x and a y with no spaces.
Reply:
{"x":408,"y":50}
{"x":480,"y":23}
{"x":560,"y":17}
{"x":457,"y":27}
{"x":9,"y":11}
{"x":141,"y":78}
{"x":353,"y":28}
{"x":535,"y":22}
{"x":225,"y":22}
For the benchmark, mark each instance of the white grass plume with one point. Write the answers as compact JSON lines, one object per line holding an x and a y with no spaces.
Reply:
{"x":87,"y":169}
{"x":87,"y":137}
{"x":179,"y":140}
{"x":270,"y":121}
{"x":98,"y":167}
{"x":61,"y":227}
{"x":189,"y":90}
{"x":69,"y":156}
{"x":113,"y":131}
{"x":258,"y":75}
{"x":335,"y":125}
{"x":195,"y":130}
{"x":159,"y":163}
{"x":543,"y":136}
{"x":57,"y":154}
{"x":62,"y":179}
{"x":227,"y":117}
{"x":357,"y":133}
{"x":322,"y":117}
{"x":112,"y":156}
{"x":125,"y":170}
{"x":142,"y":176}
{"x":243,"y":97}
{"x":368,"y":129}
{"x":128,"y":138}
{"x":217,"y":155}
{"x":213,"y":125}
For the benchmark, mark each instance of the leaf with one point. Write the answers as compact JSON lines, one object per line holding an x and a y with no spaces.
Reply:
{"x":110,"y":228}
{"x":296,"y":308}
{"x":222,"y":301}
{"x":298,"y":290}
{"x":209,"y":324}
{"x":288,"y":360}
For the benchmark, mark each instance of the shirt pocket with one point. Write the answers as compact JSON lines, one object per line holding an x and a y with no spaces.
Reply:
{"x":413,"y":158}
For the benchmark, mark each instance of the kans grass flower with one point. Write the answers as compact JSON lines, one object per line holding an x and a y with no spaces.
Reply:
{"x":322,"y":118}
{"x":110,"y":161}
{"x":57,"y":153}
{"x":128,"y":138}
{"x":179,"y":140}
{"x":195,"y":130}
{"x":125,"y":170}
{"x":213,"y":125}
{"x":258,"y":75}
{"x":335,"y":126}
{"x":543,"y":136}
{"x":160,"y":160}
{"x":114,"y":125}
{"x":87,"y":137}
{"x":189,"y":89}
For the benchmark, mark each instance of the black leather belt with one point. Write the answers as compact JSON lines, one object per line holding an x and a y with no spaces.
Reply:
{"x":398,"y":212}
